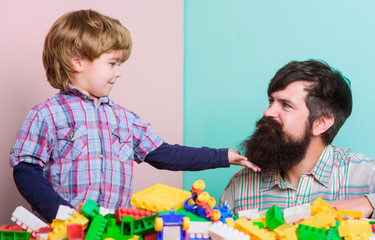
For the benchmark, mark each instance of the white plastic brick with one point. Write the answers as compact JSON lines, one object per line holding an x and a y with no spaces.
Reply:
{"x":198,"y":236}
{"x":221,"y":231}
{"x":104,"y":211}
{"x":247,"y":213}
{"x":42,"y":236}
{"x":27,"y":220}
{"x":65,"y":212}
{"x":199,"y":227}
{"x":294,"y":214}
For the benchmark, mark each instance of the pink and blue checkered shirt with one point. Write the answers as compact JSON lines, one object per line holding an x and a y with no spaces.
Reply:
{"x":339,"y":174}
{"x":86,"y":150}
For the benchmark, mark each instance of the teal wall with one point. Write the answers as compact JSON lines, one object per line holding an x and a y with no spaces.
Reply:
{"x":233,"y":48}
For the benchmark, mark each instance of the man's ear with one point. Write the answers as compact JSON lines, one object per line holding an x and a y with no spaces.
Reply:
{"x":77,"y":64}
{"x":322,"y":124}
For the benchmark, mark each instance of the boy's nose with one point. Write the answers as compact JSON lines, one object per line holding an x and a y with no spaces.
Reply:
{"x":117,"y":73}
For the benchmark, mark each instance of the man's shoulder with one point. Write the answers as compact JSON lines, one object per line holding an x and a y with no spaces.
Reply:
{"x":345,"y":155}
{"x":246,"y":172}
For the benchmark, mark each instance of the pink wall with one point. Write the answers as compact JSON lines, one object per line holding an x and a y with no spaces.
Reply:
{"x":151,"y":83}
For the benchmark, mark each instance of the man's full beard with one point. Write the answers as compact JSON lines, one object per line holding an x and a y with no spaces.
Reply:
{"x":272,"y":149}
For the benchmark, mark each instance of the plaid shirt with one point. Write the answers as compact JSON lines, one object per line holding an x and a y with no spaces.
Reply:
{"x":86,"y":150}
{"x":339,"y":174}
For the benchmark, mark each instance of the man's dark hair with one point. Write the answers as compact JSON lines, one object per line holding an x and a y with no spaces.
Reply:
{"x":329,"y":94}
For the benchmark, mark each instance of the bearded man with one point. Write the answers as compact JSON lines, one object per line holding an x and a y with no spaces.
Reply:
{"x":308,"y":103}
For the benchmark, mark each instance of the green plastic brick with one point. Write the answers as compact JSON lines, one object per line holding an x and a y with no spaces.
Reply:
{"x":306,"y":232}
{"x":274,"y":217}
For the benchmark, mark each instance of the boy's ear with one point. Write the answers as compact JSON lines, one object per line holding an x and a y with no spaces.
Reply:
{"x":77,"y":64}
{"x":322,"y":124}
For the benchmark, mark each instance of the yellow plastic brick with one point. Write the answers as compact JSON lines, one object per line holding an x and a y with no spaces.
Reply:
{"x":253,"y":231}
{"x":59,"y":230}
{"x":348,"y":213}
{"x":160,"y":197}
{"x":286,"y":232}
{"x":354,"y":227}
{"x":79,"y":219}
{"x":319,"y":205}
{"x":324,"y":219}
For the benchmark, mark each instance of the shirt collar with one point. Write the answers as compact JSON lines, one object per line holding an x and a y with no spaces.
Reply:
{"x":76,"y":92}
{"x":271,"y":179}
{"x":321,"y":172}
{"x":323,"y":168}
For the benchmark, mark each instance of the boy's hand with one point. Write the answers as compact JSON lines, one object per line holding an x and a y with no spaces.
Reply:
{"x":236,"y":159}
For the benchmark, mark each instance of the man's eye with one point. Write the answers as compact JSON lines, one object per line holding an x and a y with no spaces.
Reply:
{"x":285,"y":105}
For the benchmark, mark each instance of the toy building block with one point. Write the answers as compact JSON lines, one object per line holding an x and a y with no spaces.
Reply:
{"x":310,"y":233}
{"x":135,"y":213}
{"x":261,"y":220}
{"x":90,"y":209}
{"x":104,"y":211}
{"x":198,"y":187}
{"x":151,"y":236}
{"x":127,"y":226}
{"x":27,"y":220}
{"x":252,"y":230}
{"x":97,"y":227}
{"x":144,"y":225}
{"x":199,"y":227}
{"x":333,"y":233}
{"x":160,"y":197}
{"x":65,"y":212}
{"x":354,"y":227}
{"x":42,"y":236}
{"x":202,"y":206}
{"x":224,"y":213}
{"x":75,"y":231}
{"x":286,"y":232}
{"x":324,"y":219}
{"x":59,"y":230}
{"x":79,"y":219}
{"x":248,"y":213}
{"x":221,"y":231}
{"x":172,"y":223}
{"x":274,"y":217}
{"x":319,"y":205}
{"x":14,"y":235}
{"x":230,"y":222}
{"x":198,"y":236}
{"x":297,"y":213}
{"x":192,"y":216}
{"x":348,"y":213}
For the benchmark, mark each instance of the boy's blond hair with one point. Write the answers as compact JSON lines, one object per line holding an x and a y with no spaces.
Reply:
{"x":86,"y":34}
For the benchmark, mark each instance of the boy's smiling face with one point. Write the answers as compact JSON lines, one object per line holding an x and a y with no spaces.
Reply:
{"x":96,"y":78}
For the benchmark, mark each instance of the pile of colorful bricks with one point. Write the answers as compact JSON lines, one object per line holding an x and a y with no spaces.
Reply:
{"x":164,"y":212}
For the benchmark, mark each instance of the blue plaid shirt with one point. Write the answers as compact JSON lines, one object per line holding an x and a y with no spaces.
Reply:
{"x":86,"y":150}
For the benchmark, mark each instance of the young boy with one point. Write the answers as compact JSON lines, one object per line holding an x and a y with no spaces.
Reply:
{"x":79,"y":145}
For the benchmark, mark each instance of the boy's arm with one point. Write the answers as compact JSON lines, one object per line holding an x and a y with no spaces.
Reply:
{"x":177,"y":157}
{"x":37,"y":190}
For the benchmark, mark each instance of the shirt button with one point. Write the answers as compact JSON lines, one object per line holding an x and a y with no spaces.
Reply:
{"x":84,"y":97}
{"x":71,"y":135}
{"x":12,"y":151}
{"x":101,"y":156}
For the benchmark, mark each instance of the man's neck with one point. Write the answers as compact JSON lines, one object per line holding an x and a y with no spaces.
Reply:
{"x":313,"y":153}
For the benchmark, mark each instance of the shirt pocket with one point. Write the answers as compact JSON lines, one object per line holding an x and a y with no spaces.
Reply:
{"x":122,"y":145}
{"x":72,"y":142}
